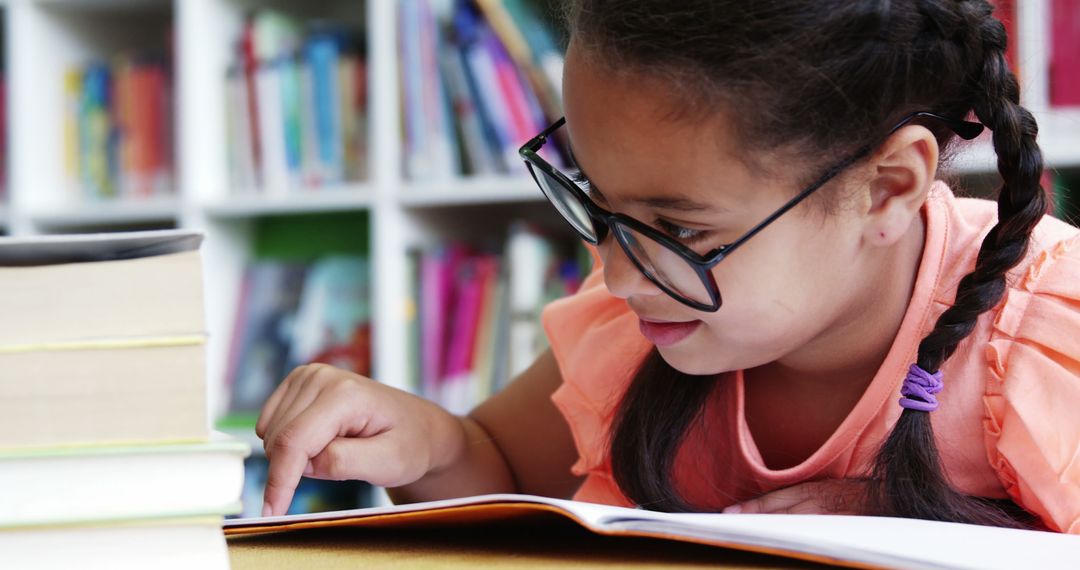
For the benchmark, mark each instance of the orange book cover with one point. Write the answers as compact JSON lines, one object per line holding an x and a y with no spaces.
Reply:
{"x":849,"y":541}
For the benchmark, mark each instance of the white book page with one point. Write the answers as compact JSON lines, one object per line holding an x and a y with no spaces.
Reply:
{"x":884,"y":541}
{"x":887,"y":541}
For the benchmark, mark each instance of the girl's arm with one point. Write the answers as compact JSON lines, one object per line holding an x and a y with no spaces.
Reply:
{"x":329,"y":423}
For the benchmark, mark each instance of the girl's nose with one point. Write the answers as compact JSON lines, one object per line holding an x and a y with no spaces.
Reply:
{"x":622,"y":278}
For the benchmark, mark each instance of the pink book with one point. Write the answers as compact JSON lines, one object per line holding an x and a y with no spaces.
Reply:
{"x":1065,"y":53}
{"x":433,"y":294}
{"x":513,"y":93}
{"x":438,"y":297}
{"x":455,"y":390}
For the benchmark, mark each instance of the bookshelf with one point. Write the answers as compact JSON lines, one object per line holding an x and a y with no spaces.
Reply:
{"x":43,"y":38}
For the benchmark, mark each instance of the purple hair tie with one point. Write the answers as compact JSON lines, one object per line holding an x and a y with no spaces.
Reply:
{"x":922,"y":385}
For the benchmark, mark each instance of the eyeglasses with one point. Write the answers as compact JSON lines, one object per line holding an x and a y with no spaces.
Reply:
{"x":677,"y":270}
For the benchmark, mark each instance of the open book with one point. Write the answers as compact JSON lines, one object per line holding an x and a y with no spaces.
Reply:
{"x":854,"y":541}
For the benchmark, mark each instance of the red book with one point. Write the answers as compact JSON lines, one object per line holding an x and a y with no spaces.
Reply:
{"x":1065,"y":53}
{"x":249,"y":65}
{"x":1005,"y":10}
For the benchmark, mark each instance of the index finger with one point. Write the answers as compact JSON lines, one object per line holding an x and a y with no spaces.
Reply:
{"x":281,"y":480}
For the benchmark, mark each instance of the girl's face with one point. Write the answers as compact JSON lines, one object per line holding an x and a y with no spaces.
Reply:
{"x":781,"y":290}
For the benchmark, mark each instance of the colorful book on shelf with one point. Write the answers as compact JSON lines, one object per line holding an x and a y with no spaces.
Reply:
{"x":529,"y":41}
{"x":1005,"y":10}
{"x":479,"y":314}
{"x":117,"y":125}
{"x":436,"y":290}
{"x":248,"y":67}
{"x":262,"y":333}
{"x":323,"y":52}
{"x":474,"y":280}
{"x":1064,"y":53}
{"x":476,"y":41}
{"x":274,"y":167}
{"x":477,"y":156}
{"x":241,"y":146}
{"x":483,"y":356}
{"x":429,"y":139}
{"x":296,"y":312}
{"x":849,"y":541}
{"x":305,"y":90}
{"x":333,"y":317}
{"x":117,"y":358}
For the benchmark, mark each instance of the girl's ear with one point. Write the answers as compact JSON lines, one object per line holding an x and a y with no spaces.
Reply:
{"x":901,"y":174}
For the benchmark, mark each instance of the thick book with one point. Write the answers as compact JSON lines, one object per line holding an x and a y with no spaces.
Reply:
{"x":172,"y":543}
{"x":103,"y":339}
{"x":851,"y":541}
{"x":108,"y":484}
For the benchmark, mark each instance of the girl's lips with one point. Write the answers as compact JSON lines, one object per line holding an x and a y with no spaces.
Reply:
{"x":667,"y":334}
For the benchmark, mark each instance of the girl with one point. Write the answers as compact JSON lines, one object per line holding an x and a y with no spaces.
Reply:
{"x":784,"y":287}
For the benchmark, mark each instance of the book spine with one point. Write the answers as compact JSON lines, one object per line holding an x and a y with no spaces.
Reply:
{"x":275,"y":172}
{"x":323,"y":54}
{"x":291,"y":115}
{"x":1065,"y":53}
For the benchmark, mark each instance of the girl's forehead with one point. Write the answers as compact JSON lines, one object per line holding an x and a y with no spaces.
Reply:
{"x":626,"y":136}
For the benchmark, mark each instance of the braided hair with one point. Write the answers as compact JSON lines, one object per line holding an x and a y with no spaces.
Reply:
{"x":792,"y":67}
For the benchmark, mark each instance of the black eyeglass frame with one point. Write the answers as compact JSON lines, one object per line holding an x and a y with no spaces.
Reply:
{"x":702,"y":264}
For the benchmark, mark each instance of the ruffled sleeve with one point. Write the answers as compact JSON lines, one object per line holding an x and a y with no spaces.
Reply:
{"x":595,"y":339}
{"x":1033,"y":390}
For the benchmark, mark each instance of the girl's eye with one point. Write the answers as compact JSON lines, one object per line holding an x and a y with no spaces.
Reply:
{"x":581,"y":181}
{"x":685,"y":235}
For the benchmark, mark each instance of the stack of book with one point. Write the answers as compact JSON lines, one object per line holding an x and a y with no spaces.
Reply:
{"x":478,"y":80}
{"x":474,"y":321}
{"x":297,"y":102}
{"x":118,"y":128}
{"x":106,"y":459}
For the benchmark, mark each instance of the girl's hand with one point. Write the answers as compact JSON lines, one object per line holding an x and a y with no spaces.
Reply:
{"x":826,"y":497}
{"x":329,"y":423}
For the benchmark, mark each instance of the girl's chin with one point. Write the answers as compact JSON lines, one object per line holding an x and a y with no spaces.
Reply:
{"x":689,"y":361}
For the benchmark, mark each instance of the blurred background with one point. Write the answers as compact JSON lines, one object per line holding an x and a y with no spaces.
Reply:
{"x":354,"y":168}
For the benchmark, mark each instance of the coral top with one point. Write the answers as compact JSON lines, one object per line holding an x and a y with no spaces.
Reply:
{"x":1008,"y":424}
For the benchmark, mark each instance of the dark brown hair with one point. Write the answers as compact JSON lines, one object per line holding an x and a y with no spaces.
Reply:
{"x":825,"y":78}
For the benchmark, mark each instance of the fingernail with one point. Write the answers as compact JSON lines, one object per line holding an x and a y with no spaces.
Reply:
{"x":266,"y":510}
{"x":733,"y":509}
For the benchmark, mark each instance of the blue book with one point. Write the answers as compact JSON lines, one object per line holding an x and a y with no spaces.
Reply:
{"x":291,"y":109}
{"x":96,"y":139}
{"x":323,"y":51}
{"x":472,"y":33}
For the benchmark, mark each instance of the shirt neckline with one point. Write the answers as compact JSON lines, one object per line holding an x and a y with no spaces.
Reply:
{"x":884,"y":389}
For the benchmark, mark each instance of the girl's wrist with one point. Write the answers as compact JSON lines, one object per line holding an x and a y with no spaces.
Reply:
{"x":448,"y":437}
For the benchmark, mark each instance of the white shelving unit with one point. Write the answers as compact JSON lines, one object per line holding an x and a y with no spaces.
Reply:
{"x":45,"y":37}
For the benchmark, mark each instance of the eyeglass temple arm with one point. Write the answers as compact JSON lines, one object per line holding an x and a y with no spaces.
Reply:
{"x":966,"y":130}
{"x":536,"y":142}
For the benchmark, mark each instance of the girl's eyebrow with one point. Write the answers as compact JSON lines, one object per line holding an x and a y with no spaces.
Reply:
{"x":678,"y":203}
